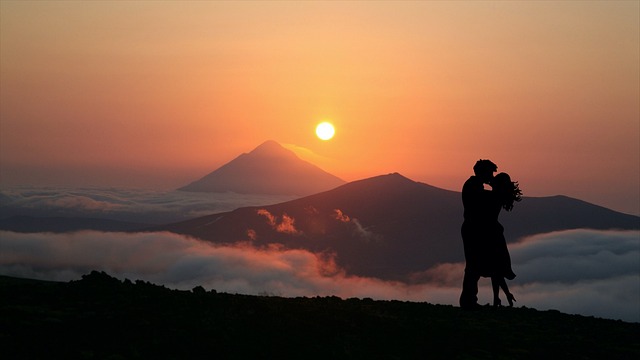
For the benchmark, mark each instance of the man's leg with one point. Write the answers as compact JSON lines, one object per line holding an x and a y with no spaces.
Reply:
{"x":469,"y":296}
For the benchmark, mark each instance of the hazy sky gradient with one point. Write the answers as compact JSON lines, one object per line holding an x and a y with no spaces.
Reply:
{"x":157,"y":94}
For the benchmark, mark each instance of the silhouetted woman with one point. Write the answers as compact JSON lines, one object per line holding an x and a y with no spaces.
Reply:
{"x":504,"y":193}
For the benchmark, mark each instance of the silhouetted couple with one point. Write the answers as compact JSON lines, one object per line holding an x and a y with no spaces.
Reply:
{"x":485,"y":247}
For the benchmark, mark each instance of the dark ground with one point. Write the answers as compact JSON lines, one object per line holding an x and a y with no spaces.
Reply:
{"x":100,"y":317}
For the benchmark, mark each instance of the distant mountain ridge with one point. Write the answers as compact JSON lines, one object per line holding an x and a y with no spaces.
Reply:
{"x":389,"y":226}
{"x":268,"y":169}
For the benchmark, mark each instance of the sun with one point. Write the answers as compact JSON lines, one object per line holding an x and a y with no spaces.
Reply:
{"x":325,"y":130}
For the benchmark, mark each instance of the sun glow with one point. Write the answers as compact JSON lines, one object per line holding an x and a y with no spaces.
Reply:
{"x":325,"y":130}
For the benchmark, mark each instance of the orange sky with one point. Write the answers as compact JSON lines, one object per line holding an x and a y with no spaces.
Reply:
{"x":157,"y":94}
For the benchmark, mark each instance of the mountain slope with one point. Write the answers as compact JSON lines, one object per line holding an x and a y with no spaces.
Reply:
{"x":268,"y":169}
{"x":388,"y":226}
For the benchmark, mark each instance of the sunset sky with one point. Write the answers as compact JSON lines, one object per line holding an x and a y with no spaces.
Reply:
{"x":158,"y":94}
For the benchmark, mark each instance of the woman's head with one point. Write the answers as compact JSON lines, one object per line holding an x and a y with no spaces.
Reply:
{"x":508,"y":191}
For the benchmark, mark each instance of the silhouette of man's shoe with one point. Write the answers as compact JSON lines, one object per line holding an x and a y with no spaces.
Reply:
{"x":511,"y":299}
{"x":497,"y":303}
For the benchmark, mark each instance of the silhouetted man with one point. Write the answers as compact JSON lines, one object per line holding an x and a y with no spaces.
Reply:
{"x":475,"y":229}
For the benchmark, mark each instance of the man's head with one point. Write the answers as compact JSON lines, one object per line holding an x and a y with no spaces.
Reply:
{"x":484,"y":170}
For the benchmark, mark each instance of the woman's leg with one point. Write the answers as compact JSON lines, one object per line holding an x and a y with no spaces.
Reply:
{"x":495,"y":284}
{"x":505,"y":288}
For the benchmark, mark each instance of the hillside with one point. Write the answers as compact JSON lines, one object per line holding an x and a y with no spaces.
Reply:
{"x":389,"y":226}
{"x":268,"y":169}
{"x":103,"y":317}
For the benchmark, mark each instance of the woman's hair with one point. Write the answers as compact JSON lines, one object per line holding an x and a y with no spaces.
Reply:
{"x":508,"y":191}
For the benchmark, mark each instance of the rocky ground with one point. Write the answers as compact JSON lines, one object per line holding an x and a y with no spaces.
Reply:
{"x":100,"y":317}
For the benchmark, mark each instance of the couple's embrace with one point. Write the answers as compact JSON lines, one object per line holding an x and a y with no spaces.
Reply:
{"x":485,"y":247}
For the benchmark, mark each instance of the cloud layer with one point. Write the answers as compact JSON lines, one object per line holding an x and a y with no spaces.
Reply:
{"x":284,"y":224}
{"x":154,"y":207}
{"x":581,"y":271}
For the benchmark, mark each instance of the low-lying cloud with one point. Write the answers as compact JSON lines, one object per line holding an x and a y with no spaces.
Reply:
{"x":145,"y":206}
{"x":575,"y":271}
{"x":284,"y":224}
{"x":580,"y":271}
{"x":356,"y":227}
{"x":181,"y":262}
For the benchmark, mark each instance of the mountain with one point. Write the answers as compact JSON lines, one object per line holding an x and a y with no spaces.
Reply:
{"x":268,"y":169}
{"x":388,"y":226}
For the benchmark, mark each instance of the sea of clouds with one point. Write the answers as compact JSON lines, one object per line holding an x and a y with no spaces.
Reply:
{"x":594,"y":273}
{"x":133,"y":205}
{"x":579,"y":271}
